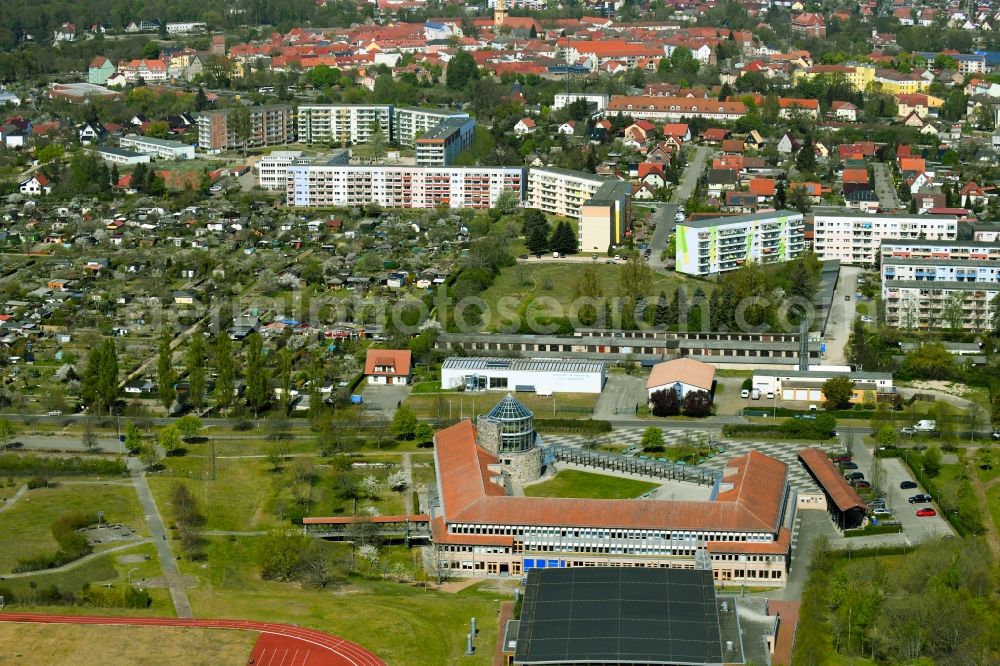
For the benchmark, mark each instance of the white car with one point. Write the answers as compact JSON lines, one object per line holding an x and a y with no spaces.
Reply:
{"x":865,"y":319}
{"x":745,"y":393}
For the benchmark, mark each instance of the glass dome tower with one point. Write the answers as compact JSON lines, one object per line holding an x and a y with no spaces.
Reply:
{"x":516,"y":423}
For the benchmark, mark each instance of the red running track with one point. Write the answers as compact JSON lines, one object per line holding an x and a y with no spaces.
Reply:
{"x":278,"y":645}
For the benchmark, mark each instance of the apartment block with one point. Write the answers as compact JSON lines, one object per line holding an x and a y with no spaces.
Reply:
{"x":408,"y":124}
{"x":601,"y":205}
{"x":269,"y":126}
{"x":343,"y":124}
{"x":673,"y":109}
{"x":930,"y":285}
{"x":440,"y":145}
{"x":721,"y":244}
{"x":855,"y":238}
{"x":324,"y":185}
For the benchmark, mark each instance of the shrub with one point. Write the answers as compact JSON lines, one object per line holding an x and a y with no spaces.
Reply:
{"x":665,"y":403}
{"x":17,"y":464}
{"x":38,"y":482}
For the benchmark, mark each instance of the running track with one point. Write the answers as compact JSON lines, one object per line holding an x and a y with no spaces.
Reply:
{"x":278,"y":645}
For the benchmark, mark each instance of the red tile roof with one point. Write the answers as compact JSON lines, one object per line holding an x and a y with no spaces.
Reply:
{"x":398,"y":359}
{"x":762,"y":187}
{"x":833,"y":482}
{"x":753,"y":489}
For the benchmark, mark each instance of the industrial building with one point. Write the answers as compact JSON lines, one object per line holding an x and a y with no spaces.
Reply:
{"x":161,"y":148}
{"x":121,"y":156}
{"x":807,"y":385}
{"x":940,"y":284}
{"x":721,"y":244}
{"x":326,"y":185}
{"x":855,"y":238}
{"x":537,"y":375}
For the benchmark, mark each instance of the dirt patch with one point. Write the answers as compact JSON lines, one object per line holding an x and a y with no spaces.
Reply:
{"x":951,"y":388}
{"x":132,"y":559}
{"x":76,"y":645}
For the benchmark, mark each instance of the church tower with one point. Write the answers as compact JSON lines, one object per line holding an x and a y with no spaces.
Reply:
{"x":500,"y":13}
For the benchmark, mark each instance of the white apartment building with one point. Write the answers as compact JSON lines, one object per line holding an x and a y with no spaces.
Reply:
{"x":721,"y":244}
{"x":343,"y":124}
{"x":855,"y":238}
{"x":408,"y":123}
{"x":601,"y":205}
{"x":565,"y":99}
{"x":940,"y":284}
{"x":322,"y":185}
{"x":159,"y":148}
{"x":272,"y":169}
{"x":558,"y":191}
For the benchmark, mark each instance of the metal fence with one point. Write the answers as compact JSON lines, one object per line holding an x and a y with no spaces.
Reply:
{"x":643,"y":466}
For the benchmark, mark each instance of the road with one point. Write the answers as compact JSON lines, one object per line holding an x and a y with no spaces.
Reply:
{"x":841,"y":319}
{"x":884,"y":188}
{"x":665,"y":212}
{"x":158,"y":533}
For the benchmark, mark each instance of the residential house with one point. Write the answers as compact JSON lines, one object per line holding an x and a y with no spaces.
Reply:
{"x":720,"y":180}
{"x":388,"y":366}
{"x":568,"y":128}
{"x":525,"y":126}
{"x":101,"y":69}
{"x":36,"y":185}
{"x":788,"y":144}
{"x":844,"y":111}
{"x":90,"y":132}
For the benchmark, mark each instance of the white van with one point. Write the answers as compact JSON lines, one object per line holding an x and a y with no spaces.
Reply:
{"x":926,"y":425}
{"x":755,"y":394}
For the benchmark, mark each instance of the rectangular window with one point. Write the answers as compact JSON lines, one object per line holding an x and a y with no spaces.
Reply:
{"x":498,"y":382}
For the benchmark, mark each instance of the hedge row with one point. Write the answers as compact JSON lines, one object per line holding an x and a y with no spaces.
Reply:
{"x":795,"y":428}
{"x":98,"y":597}
{"x":586,"y":426}
{"x":874,"y":529}
{"x":16,"y":464}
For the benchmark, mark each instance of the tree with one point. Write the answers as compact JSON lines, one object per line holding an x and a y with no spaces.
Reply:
{"x":404,"y":423}
{"x":697,"y":404}
{"x":886,"y":436}
{"x":240,"y":122}
{"x":985,"y":457}
{"x":200,"y":100}
{"x":225,"y":382}
{"x":563,"y":239}
{"x":798,"y":199}
{"x":150,"y":456}
{"x":932,"y":461}
{"x":805,"y":160}
{"x":170,"y":440}
{"x":99,"y":385}
{"x":652,"y":439}
{"x":283,"y":375}
{"x":165,"y":378}
{"x":779,"y":195}
{"x":538,"y":238}
{"x":196,"y":370}
{"x":189,"y":426}
{"x":279,"y":554}
{"x":929,"y":361}
{"x":133,"y":438}
{"x":838,"y":392}
{"x":276,"y":453}
{"x":953,"y":312}
{"x":423,"y":434}
{"x":256,"y":378}
{"x":665,"y":402}
{"x":7,"y":431}
{"x":461,"y":70}
{"x":507,"y":202}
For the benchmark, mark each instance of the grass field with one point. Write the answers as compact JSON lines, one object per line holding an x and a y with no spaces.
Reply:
{"x":572,"y":483}
{"x":452,"y":405}
{"x":546,"y":290}
{"x":25,"y":528}
{"x":55,"y":645}
{"x":403,"y":624}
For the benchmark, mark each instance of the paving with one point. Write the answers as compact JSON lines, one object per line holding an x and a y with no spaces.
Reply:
{"x":621,"y":395}
{"x":841,"y":319}
{"x":888,"y":199}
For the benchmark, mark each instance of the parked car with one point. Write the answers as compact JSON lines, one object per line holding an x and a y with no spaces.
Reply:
{"x":855,"y":476}
{"x":861,"y":483}
{"x":843,"y":459}
{"x":847,"y":297}
{"x":849,"y":465}
{"x":907,"y":431}
{"x":865,"y":319}
{"x":770,"y":395}
{"x":907,"y":485}
{"x":995,"y":434}
{"x":920,"y":498}
{"x":745,"y":393}
{"x":881,"y":512}
{"x":926,"y":512}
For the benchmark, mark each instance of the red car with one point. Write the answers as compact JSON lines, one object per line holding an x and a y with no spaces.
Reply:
{"x":926,"y":512}
{"x":843,"y":459}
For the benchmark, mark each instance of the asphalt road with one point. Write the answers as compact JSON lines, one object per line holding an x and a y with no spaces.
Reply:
{"x":665,"y":212}
{"x":841,"y":319}
{"x":888,"y":199}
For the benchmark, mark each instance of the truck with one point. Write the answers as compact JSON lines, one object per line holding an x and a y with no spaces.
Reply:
{"x":925,"y":425}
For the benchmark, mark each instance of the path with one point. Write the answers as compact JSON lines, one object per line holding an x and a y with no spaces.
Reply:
{"x":158,"y":532}
{"x":18,"y":495}
{"x":840,"y":323}
{"x":75,"y":563}
{"x":321,"y":649}
{"x":992,"y":536}
{"x":408,"y":493}
{"x":885,"y":190}
{"x":692,"y":172}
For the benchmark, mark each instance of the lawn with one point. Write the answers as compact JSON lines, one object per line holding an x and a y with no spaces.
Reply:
{"x":453,"y":405}
{"x":572,"y":483}
{"x":82,"y":645}
{"x":546,"y":290}
{"x":25,"y":528}
{"x":401,"y":623}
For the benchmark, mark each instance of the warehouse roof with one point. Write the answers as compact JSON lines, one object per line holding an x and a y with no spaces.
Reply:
{"x":684,"y":370}
{"x":521,"y":364}
{"x":619,"y":615}
{"x":833,"y":482}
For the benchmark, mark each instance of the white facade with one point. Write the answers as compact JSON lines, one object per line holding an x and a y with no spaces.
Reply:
{"x":161,"y":148}
{"x":185,"y":26}
{"x":855,"y":238}
{"x":272,"y":169}
{"x":565,"y":99}
{"x":808,"y":385}
{"x":541,"y":376}
{"x":408,"y":124}
{"x":312,"y":185}
{"x":718,"y":245}
{"x":561,"y":191}
{"x":340,"y":124}
{"x":119,"y":156}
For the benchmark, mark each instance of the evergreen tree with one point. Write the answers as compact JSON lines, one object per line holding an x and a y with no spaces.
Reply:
{"x":779,"y":195}
{"x":563,"y":239}
{"x":99,"y":385}
{"x":140,"y":178}
{"x":660,"y":314}
{"x":196,"y":370}
{"x":315,"y":384}
{"x":680,"y":306}
{"x":201,"y":100}
{"x":538,"y":238}
{"x":806,"y":158}
{"x":283,"y":378}
{"x":115,"y":174}
{"x":256,"y":377}
{"x":225,"y":382}
{"x":165,"y":378}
